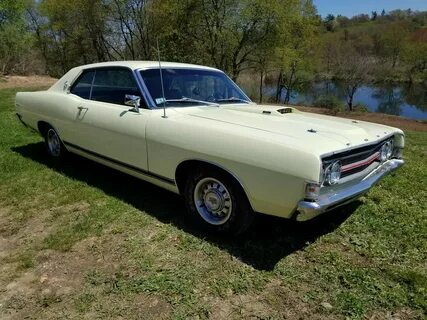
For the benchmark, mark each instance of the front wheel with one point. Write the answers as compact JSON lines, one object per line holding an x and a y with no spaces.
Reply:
{"x":217,"y":203}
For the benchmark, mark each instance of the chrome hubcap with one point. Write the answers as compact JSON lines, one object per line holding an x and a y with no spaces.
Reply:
{"x":213,"y":201}
{"x":53,"y":143}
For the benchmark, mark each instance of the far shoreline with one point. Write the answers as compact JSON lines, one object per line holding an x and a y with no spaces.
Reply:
{"x":38,"y":81}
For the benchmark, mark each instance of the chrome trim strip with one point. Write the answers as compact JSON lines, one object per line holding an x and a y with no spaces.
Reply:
{"x":153,"y":105}
{"x":353,"y":155}
{"x":122,"y":164}
{"x":143,"y":88}
{"x":20,"y":119}
{"x":361,"y":163}
{"x":387,"y":136}
{"x":340,"y":196}
{"x":91,"y":85}
{"x":222,"y":168}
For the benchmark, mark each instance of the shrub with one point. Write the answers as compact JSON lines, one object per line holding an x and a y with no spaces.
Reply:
{"x":360,"y":107}
{"x":329,"y":102}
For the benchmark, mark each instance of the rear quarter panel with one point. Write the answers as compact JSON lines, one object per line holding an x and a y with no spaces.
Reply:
{"x":53,"y":105}
{"x":55,"y":108}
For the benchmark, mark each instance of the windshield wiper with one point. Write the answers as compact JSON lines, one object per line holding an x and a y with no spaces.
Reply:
{"x":189,"y":100}
{"x":232,"y":99}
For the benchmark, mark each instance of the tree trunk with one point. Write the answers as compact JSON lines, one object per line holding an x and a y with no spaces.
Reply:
{"x":352,"y":91}
{"x":290,"y":84}
{"x":279,"y":87}
{"x":287,"y":97}
{"x":394,"y":60}
{"x":350,"y":103}
{"x":261,"y":87}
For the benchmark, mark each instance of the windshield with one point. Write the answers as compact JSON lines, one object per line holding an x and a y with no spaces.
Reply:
{"x":192,"y":87}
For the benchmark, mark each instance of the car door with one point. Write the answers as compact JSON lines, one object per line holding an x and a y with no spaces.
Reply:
{"x":103,"y":126}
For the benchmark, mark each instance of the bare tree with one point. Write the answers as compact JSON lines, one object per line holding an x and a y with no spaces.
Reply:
{"x":352,"y":69}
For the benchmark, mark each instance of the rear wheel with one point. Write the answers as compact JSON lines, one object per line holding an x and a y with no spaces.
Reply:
{"x":216,"y":202}
{"x":54,"y":146}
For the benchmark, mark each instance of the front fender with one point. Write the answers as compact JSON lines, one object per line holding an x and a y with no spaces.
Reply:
{"x":272,"y":174}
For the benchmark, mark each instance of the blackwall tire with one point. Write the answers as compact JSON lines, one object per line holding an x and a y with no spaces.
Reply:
{"x":54,"y":146}
{"x":216,"y":202}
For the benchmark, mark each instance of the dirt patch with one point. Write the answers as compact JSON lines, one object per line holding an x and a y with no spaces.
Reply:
{"x":50,"y":285}
{"x":8,"y":82}
{"x":401,"y":314}
{"x":60,"y":282}
{"x":276,"y":301}
{"x":381,"y":118}
{"x":30,"y":281}
{"x":152,"y":307}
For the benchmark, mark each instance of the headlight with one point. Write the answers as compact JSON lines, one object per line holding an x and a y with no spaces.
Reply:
{"x":333,"y":173}
{"x":390,"y":149}
{"x":386,"y":150}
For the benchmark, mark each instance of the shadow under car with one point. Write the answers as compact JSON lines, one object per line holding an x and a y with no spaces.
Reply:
{"x":268,"y":240}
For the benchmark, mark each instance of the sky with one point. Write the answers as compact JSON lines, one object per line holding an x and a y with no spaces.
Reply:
{"x":351,"y":8}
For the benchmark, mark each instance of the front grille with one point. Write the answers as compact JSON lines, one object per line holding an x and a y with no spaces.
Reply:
{"x":356,"y":160}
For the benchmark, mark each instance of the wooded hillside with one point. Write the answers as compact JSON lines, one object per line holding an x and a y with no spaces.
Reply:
{"x":283,"y":42}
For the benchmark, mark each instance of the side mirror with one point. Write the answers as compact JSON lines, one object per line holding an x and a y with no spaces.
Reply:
{"x":133,"y":101}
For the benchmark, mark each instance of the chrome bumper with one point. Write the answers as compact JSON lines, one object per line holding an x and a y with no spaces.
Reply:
{"x":341,"y":195}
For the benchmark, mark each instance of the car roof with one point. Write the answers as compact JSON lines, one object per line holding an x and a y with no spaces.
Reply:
{"x":145,"y":65}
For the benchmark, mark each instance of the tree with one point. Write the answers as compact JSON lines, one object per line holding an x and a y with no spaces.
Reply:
{"x":352,"y":69}
{"x":393,"y":40}
{"x":70,"y":33}
{"x":15,"y":41}
{"x":295,"y":52}
{"x":262,"y":61}
{"x":229,"y":31}
{"x":374,"y":15}
{"x":390,"y":100}
{"x":360,"y":18}
{"x":342,"y":21}
{"x":416,"y":95}
{"x":415,"y":55}
{"x":328,"y":54}
{"x":330,"y":23}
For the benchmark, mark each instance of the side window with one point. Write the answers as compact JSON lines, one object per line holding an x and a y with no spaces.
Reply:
{"x":112,"y":85}
{"x":83,"y":84}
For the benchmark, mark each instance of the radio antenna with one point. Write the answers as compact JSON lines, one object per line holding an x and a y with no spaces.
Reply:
{"x":161,"y":80}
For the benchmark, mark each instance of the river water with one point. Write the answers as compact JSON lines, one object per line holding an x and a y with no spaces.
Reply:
{"x":406,"y":101}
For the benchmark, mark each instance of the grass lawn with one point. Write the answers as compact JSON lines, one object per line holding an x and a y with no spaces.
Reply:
{"x":79,"y":240}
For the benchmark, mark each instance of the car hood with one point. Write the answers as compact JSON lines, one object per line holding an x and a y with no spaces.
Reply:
{"x":324,"y":134}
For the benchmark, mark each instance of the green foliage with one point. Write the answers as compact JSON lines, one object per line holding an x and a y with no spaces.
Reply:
{"x":11,"y":11}
{"x":282,"y":39}
{"x":15,"y":41}
{"x":294,"y":52}
{"x":360,"y":107}
{"x":330,"y":102}
{"x":392,"y":44}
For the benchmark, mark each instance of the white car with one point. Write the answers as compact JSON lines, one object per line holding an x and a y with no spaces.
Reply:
{"x":193,"y":131}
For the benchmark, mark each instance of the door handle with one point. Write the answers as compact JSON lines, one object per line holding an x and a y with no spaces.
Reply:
{"x":80,"y":108}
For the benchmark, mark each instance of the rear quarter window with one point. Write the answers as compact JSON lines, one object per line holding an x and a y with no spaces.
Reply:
{"x":83,"y":85}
